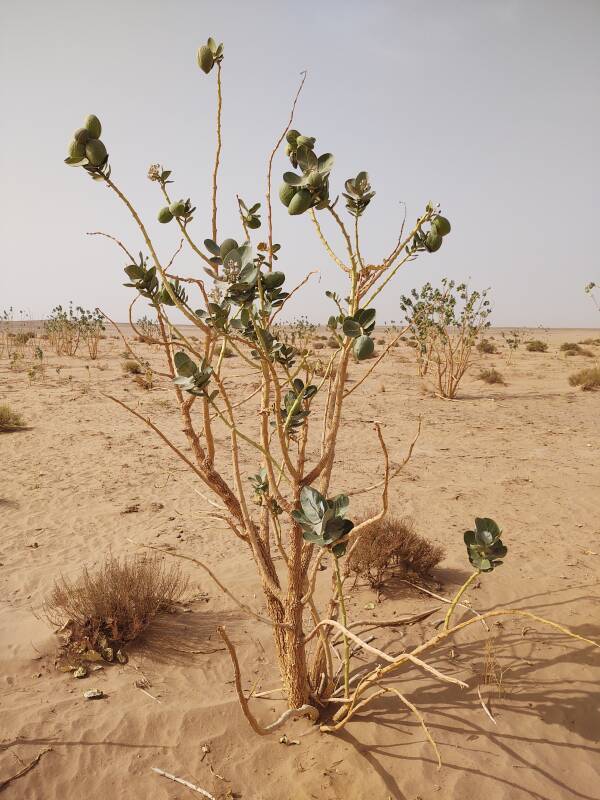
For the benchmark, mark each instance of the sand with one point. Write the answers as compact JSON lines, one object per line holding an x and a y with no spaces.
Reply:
{"x":526,"y":454}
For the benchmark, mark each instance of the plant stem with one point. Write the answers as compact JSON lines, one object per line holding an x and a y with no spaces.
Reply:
{"x":457,"y":597}
{"x":340,"y":593}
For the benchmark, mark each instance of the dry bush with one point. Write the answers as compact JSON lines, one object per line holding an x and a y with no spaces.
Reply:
{"x":318,"y":345}
{"x":536,"y":346}
{"x":10,"y":420}
{"x":332,"y":342}
{"x":595,"y":342}
{"x":573,"y":349}
{"x":491,"y":376}
{"x":103,"y":610}
{"x":588,"y":379}
{"x":485,"y":346}
{"x":131,"y":367}
{"x":391,"y":546}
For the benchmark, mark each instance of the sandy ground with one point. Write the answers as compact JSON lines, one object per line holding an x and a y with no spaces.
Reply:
{"x":526,"y":454}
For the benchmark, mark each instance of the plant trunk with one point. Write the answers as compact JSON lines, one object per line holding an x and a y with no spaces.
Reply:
{"x":291,"y":650}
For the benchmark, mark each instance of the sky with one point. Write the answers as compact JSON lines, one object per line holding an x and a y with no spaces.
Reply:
{"x":488,"y":107}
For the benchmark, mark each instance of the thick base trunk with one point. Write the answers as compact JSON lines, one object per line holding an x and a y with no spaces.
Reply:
{"x":291,"y":651}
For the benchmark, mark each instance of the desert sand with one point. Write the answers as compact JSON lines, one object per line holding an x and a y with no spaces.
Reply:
{"x":87,"y":478}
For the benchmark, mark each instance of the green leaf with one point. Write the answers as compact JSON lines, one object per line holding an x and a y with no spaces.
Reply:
{"x":212,"y":247}
{"x":292,"y":179}
{"x":313,"y":504}
{"x":184,"y":365}
{"x":325,"y":162}
{"x":363,"y":347}
{"x":351,"y":328}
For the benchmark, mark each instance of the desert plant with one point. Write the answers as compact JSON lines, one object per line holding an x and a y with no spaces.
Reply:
{"x":445,"y":324}
{"x":589,"y":289}
{"x":487,"y":347}
{"x":104,"y":609}
{"x":131,"y":367}
{"x":513,"y":342}
{"x":574,"y":349}
{"x":588,"y":379}
{"x":91,"y":324}
{"x":491,"y":376}
{"x":392,"y":546}
{"x":64,"y":330}
{"x":10,"y":420}
{"x":147,"y":329}
{"x":536,"y":346}
{"x":292,"y":524}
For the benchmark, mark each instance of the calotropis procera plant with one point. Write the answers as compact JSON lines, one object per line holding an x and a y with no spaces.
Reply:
{"x":444,"y":323}
{"x":286,"y":514}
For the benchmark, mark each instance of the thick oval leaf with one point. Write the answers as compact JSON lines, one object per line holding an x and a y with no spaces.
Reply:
{"x":351,"y":328}
{"x":363,"y":347}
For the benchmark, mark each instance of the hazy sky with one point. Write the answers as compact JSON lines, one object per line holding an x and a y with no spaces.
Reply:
{"x":489,"y":107}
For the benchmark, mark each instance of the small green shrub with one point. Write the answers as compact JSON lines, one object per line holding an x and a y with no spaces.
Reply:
{"x":536,"y":346}
{"x":10,"y":420}
{"x":491,"y":376}
{"x":588,"y":379}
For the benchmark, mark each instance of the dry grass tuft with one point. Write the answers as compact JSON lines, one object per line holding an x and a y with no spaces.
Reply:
{"x":131,"y":367}
{"x":392,"y":546}
{"x":485,"y":346}
{"x":10,"y":420}
{"x":588,"y":379}
{"x":491,"y":376}
{"x":536,"y":346}
{"x":103,"y":610}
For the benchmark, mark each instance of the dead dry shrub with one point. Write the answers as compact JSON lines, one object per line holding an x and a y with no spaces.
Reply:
{"x":131,"y":367}
{"x":491,"y":376}
{"x":392,"y":546}
{"x":105,"y":609}
{"x":536,"y":346}
{"x":10,"y":420}
{"x":588,"y":379}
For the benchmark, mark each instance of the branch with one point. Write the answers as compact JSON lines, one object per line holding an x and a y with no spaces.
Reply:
{"x":270,"y":168}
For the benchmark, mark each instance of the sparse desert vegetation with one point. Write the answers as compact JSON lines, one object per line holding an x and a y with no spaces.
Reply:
{"x":277,"y":525}
{"x":491,"y":375}
{"x":588,"y":379}
{"x":10,"y":420}
{"x":104,"y":609}
{"x":536,"y":346}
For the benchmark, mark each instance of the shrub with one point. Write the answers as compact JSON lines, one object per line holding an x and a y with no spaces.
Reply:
{"x":131,"y":367}
{"x":106,"y":608}
{"x":491,"y":376}
{"x":485,"y":346}
{"x":391,"y":546}
{"x":445,"y":324}
{"x":574,"y":349}
{"x":149,"y":329}
{"x":291,"y":425}
{"x":536,"y":346}
{"x":588,"y":379}
{"x":10,"y":420}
